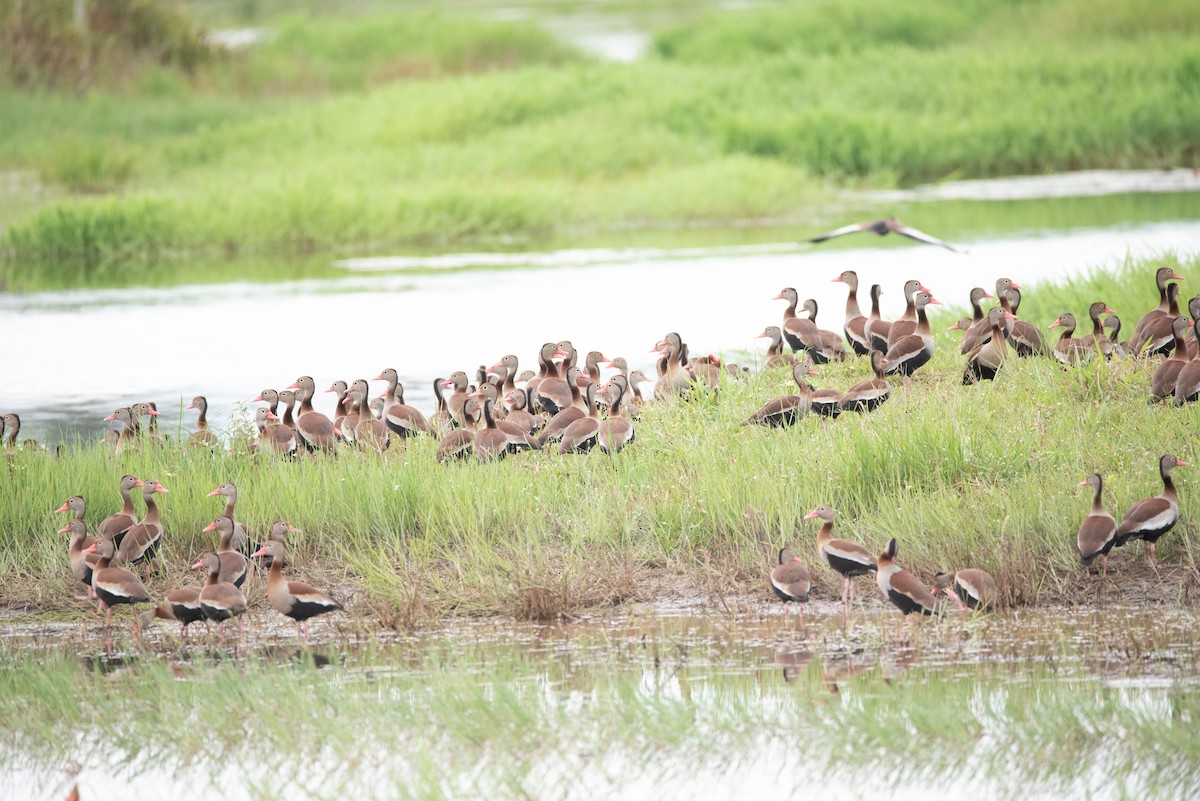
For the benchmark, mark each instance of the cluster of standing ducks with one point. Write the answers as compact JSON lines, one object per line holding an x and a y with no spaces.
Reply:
{"x":99,"y":561}
{"x":507,"y":410}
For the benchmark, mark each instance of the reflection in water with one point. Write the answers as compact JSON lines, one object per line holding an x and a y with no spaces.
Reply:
{"x":619,"y":707}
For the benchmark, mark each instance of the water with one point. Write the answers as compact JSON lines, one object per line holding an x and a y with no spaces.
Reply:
{"x":644,"y":703}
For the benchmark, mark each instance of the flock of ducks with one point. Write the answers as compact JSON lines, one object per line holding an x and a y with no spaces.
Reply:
{"x":98,"y":561}
{"x":567,"y":406}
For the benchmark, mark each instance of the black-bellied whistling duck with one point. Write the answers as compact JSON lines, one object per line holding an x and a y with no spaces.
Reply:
{"x":986,"y":360}
{"x":518,"y":411}
{"x":148,"y":411}
{"x":315,"y":429}
{"x":509,"y":366}
{"x":970,"y":588}
{"x":907,"y":324}
{"x":825,"y":402}
{"x":776,"y":357}
{"x":980,"y":331}
{"x":181,"y":605}
{"x":273,"y":434}
{"x":1150,"y":518}
{"x":1156,"y":337}
{"x":115,"y":526}
{"x":977,"y":318}
{"x":553,"y":430}
{"x":114,"y":584}
{"x":141,"y":542}
{"x":630,"y":405}
{"x":401,"y":419}
{"x":457,"y":383}
{"x":1097,"y":342}
{"x":1113,"y":323}
{"x":1098,"y":531}
{"x":591,"y":369}
{"x":901,"y":587}
{"x":913,"y":351}
{"x":1161,"y":276}
{"x":866,"y":396}
{"x":846,"y":557}
{"x":615,"y":431}
{"x":130,"y":431}
{"x":287,"y":399}
{"x":81,"y":563}
{"x":877,"y":328}
{"x":856,"y":321}
{"x":490,"y":443}
{"x":220,"y":600}
{"x":1024,"y":337}
{"x":802,"y":333}
{"x":580,"y":435}
{"x":889,"y":225}
{"x":636,"y":379}
{"x":1068,"y":350}
{"x":1187,"y":383}
{"x":706,"y":371}
{"x":241,"y":535}
{"x":234,"y":566}
{"x":203,"y":435}
{"x":369,"y":431}
{"x":75,"y":504}
{"x":339,"y":389}
{"x":552,"y":392}
{"x":787,"y":409}
{"x":456,"y":443}
{"x":294,"y":599}
{"x":674,"y":379}
{"x":440,"y":421}
{"x":269,"y":397}
{"x":512,"y":426}
{"x":790,"y":581}
{"x":1193,"y":344}
{"x":1162,"y":383}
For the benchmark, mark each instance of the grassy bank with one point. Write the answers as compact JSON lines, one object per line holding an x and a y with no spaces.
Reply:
{"x":962,"y":476}
{"x":760,"y":113}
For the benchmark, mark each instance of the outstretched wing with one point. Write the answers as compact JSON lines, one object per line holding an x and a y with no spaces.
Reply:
{"x":921,"y":236}
{"x":845,"y":229}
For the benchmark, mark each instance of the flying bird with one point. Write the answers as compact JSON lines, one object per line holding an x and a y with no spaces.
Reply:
{"x":883,"y":228}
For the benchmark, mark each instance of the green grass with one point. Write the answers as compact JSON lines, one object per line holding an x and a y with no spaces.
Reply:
{"x":483,"y":134}
{"x":979,"y":476}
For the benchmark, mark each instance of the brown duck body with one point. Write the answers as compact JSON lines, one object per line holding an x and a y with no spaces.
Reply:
{"x":866,"y":396}
{"x":845,"y":557}
{"x":787,"y":409}
{"x":113,"y":584}
{"x":142,"y":541}
{"x":294,"y":599}
{"x":1149,"y":519}
{"x":971,"y":588}
{"x":1098,"y":531}
{"x":790,"y":580}
{"x":315,"y":429}
{"x":181,"y":605}
{"x":114,"y":527}
{"x":986,"y":360}
{"x":901,"y":587}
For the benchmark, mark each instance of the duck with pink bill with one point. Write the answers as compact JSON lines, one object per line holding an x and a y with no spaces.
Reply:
{"x":294,"y":599}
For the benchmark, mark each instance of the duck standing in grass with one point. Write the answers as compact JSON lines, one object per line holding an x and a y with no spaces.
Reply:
{"x":846,"y":557}
{"x":1098,"y":531}
{"x":295,"y":599}
{"x":1151,"y":518}
{"x":790,"y":580}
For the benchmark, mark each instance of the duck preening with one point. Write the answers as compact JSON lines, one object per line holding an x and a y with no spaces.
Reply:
{"x":295,"y":599}
{"x":790,"y":581}
{"x":1149,"y":519}
{"x":181,"y":605}
{"x":847,"y":558}
{"x":901,"y":587}
{"x":970,"y":588}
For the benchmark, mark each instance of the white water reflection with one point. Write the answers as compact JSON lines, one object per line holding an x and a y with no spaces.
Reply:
{"x":79,"y":354}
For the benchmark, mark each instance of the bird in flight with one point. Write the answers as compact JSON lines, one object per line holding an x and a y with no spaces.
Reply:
{"x":883,"y":228}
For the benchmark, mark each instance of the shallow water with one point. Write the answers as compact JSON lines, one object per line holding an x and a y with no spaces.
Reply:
{"x":638,"y":704}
